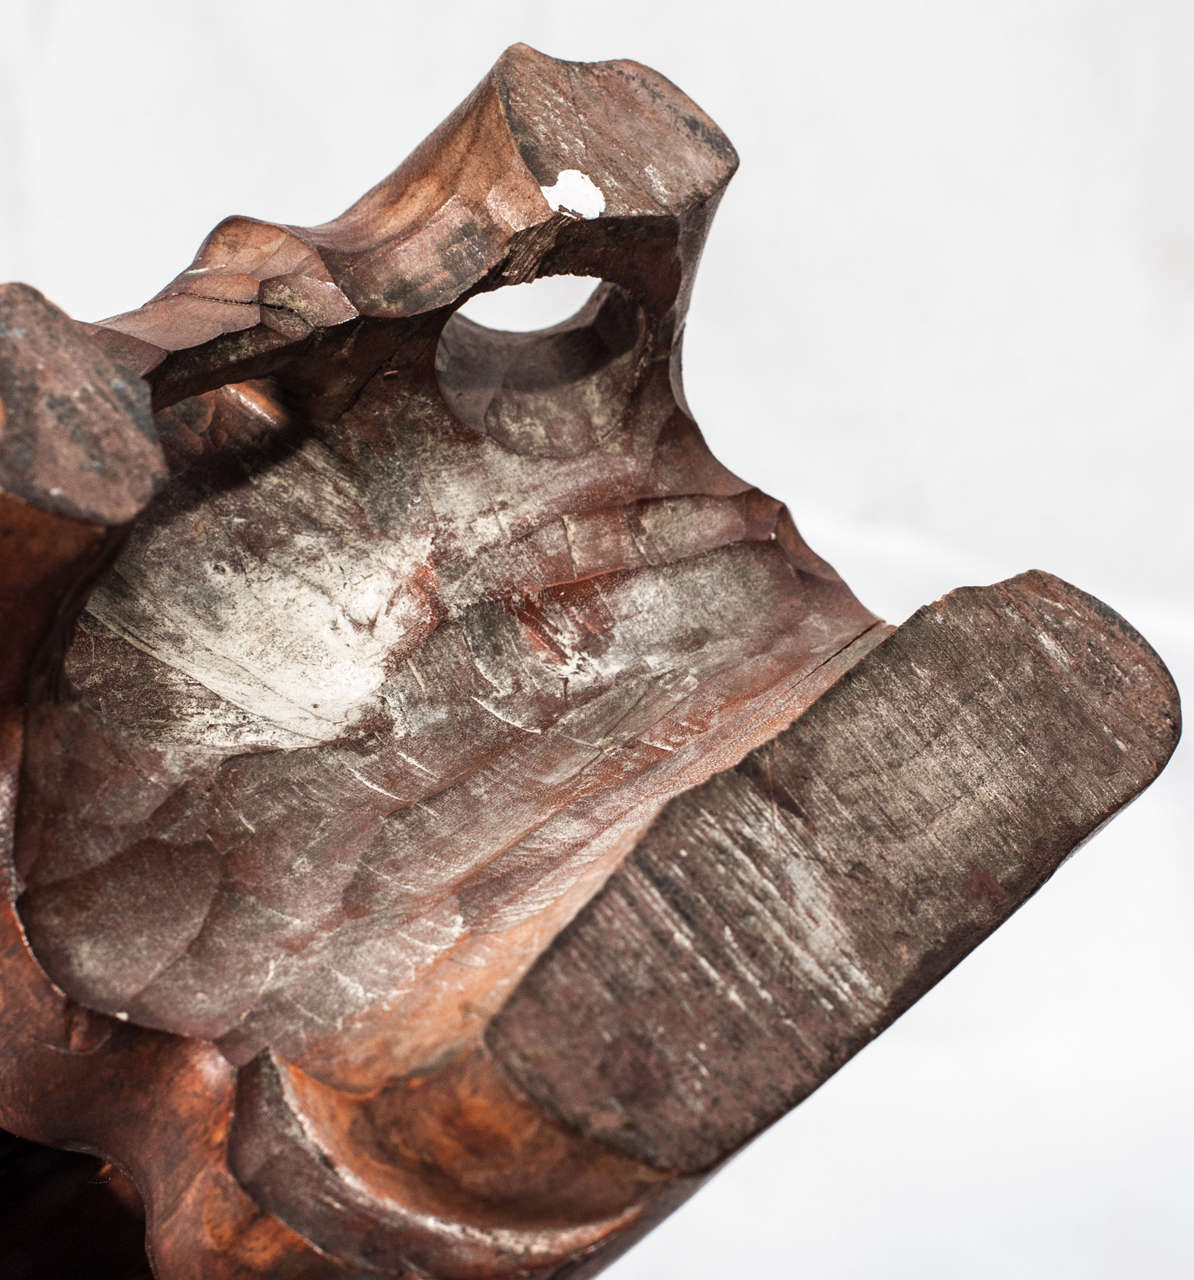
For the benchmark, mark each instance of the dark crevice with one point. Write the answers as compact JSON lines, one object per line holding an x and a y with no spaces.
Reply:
{"x":63,"y":1214}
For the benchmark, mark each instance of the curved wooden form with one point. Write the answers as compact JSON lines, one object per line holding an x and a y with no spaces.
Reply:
{"x":446,"y":813}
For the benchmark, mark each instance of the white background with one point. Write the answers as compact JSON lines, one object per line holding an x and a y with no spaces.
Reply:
{"x":947,"y":314}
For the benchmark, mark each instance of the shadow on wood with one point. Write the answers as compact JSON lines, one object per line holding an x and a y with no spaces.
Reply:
{"x":447,"y":813}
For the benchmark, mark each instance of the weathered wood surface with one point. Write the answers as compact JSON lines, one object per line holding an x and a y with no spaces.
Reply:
{"x":777,"y":917}
{"x":338,"y":687}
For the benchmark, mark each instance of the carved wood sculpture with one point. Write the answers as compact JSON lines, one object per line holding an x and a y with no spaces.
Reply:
{"x":446,"y":812}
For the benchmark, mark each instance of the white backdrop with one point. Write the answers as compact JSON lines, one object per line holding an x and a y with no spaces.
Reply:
{"x":947,"y":314}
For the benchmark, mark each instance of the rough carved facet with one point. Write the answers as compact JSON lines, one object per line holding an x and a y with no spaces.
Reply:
{"x":446,"y":812}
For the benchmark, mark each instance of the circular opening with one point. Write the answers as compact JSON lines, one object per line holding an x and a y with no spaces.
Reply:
{"x":523,"y":308}
{"x":551,"y":381}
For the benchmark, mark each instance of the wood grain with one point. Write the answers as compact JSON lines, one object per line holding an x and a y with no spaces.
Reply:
{"x":773,"y":920}
{"x":444,"y":812}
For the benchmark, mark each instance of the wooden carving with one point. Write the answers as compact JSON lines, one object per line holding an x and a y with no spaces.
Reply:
{"x":445,"y":812}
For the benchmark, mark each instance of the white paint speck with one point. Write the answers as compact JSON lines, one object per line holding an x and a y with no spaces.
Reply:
{"x":575,"y":192}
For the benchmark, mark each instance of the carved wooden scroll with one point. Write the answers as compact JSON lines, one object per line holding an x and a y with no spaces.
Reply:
{"x":446,"y":813}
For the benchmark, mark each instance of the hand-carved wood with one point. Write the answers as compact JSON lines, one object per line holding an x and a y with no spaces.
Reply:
{"x":448,"y":813}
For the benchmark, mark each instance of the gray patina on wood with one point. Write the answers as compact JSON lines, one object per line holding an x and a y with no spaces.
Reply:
{"x":775,"y":919}
{"x":444,"y":812}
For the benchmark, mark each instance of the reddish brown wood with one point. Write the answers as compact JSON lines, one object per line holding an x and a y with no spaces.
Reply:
{"x":446,"y":812}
